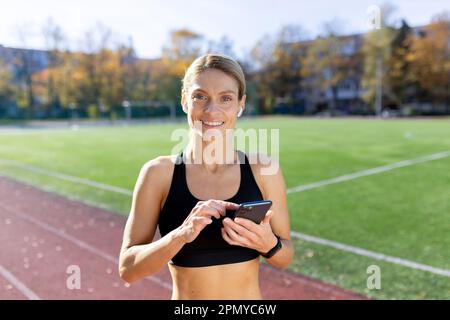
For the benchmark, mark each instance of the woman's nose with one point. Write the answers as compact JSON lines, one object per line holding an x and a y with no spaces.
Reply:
{"x":212,"y":107}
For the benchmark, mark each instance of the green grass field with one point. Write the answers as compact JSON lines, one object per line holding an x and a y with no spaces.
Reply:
{"x":404,"y":212}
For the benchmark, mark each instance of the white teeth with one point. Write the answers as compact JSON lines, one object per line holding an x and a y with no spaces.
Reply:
{"x":213,"y":123}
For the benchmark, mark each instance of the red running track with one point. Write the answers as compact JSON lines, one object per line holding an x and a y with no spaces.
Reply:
{"x":42,"y":234}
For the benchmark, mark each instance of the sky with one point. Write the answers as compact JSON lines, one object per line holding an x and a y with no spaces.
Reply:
{"x":149,"y":22}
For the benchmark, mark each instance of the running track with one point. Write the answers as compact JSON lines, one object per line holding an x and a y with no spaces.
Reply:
{"x":42,"y":234}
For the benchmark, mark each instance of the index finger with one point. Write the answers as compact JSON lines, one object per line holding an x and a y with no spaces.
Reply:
{"x":227,"y":204}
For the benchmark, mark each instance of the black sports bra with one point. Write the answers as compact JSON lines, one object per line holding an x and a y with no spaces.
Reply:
{"x":209,"y":248}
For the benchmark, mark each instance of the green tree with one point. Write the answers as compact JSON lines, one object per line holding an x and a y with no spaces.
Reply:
{"x":399,"y":68}
{"x":7,"y":89}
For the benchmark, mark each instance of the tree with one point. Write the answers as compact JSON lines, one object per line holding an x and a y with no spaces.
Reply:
{"x":7,"y":89}
{"x":430,"y":60}
{"x":110,"y":75}
{"x":25,"y":67}
{"x":98,"y":72}
{"x":327,"y":63}
{"x":68,"y":77}
{"x":54,"y":39}
{"x":276,"y":67}
{"x":399,"y":68}
{"x":184,"y":47}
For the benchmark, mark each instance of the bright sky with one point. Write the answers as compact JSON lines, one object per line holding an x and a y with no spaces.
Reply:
{"x":149,"y":22}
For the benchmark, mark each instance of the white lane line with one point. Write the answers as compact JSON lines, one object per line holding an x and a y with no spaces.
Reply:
{"x":296,"y":189}
{"x":306,"y":280}
{"x":67,"y":177}
{"x":371,"y":254}
{"x":27,"y":292}
{"x":79,"y":243}
{"x":369,"y":172}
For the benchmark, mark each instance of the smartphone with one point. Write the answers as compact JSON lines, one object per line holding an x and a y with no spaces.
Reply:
{"x":254,"y":211}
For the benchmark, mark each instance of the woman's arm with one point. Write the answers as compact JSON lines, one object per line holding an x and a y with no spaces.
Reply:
{"x":274,"y":188}
{"x":261,"y":237}
{"x":139,"y":256}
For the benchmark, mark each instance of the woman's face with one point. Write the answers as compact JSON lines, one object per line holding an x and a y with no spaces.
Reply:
{"x":212,"y":102}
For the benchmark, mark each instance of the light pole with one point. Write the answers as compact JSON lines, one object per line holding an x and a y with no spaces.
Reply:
{"x":173,"y":111}
{"x":374,"y":24}
{"x":379,"y":84}
{"x":127,"y":105}
{"x":73,"y":115}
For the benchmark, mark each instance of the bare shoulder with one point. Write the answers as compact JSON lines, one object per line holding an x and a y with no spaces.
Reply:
{"x":158,"y":169}
{"x":159,"y":165}
{"x":151,"y":187}
{"x":264,"y":165}
{"x":156,"y":175}
{"x":267,"y":172}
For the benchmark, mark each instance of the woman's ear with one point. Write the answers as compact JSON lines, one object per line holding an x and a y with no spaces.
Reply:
{"x":242,"y":106}
{"x":184,"y":104}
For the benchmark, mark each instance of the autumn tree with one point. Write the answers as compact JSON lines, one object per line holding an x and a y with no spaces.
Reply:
{"x":68,"y":77}
{"x":430,"y":60}
{"x":99,"y":72}
{"x":329,"y":60}
{"x":54,"y":40}
{"x":184,"y":46}
{"x":277,"y":67}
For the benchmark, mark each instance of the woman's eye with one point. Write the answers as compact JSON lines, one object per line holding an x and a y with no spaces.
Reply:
{"x":198,"y":97}
{"x":227,"y":98}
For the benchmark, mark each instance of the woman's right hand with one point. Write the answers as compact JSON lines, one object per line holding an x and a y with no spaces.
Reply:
{"x":201,"y":215}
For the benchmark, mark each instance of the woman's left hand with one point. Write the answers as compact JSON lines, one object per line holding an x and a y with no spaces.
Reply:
{"x":246,"y":233}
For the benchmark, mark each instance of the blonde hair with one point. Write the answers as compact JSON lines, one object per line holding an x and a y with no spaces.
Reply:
{"x":217,"y":61}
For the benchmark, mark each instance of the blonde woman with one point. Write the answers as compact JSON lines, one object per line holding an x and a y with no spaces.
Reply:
{"x":209,"y":255}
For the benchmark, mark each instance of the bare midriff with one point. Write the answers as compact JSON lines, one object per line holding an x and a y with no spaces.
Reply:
{"x":221,"y":282}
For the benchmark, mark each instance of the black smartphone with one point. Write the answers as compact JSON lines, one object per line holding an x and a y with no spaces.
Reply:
{"x":254,"y":211}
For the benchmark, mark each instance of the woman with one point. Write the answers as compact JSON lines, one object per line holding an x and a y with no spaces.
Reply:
{"x":209,"y":255}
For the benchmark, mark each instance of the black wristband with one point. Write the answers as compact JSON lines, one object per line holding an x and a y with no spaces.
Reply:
{"x":274,"y":250}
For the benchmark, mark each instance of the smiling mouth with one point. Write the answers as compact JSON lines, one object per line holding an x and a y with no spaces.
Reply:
{"x":213,"y":123}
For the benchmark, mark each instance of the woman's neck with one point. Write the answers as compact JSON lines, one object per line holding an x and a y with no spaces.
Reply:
{"x":211,"y":154}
